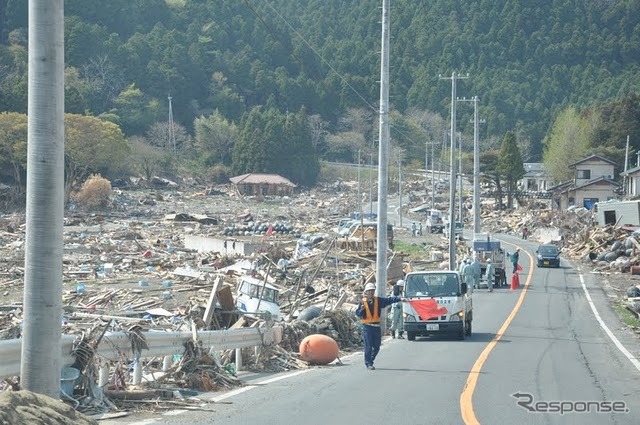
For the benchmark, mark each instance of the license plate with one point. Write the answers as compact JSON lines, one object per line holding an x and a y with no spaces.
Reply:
{"x":546,"y":263}
{"x":432,"y":327}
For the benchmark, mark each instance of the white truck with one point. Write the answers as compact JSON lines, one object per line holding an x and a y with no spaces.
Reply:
{"x":253,"y":299}
{"x":435,"y":223}
{"x":440,"y":303}
{"x":485,"y":248}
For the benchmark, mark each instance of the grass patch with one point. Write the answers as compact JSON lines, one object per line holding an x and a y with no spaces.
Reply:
{"x":415,"y":251}
{"x":630,"y":319}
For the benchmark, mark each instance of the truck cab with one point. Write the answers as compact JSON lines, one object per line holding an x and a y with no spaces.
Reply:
{"x":440,"y":303}
{"x":435,"y":222}
{"x":248,"y":298}
{"x":457,"y":230}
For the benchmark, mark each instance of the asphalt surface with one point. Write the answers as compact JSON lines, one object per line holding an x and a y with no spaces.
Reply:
{"x":553,"y":349}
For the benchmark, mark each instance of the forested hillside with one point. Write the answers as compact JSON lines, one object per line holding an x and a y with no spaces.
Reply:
{"x":526,"y":59}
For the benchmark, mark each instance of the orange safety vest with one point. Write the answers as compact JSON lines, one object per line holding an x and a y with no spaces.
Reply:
{"x":371,"y":317}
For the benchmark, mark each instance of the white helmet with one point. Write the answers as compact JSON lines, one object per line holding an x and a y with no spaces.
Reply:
{"x":400,"y":283}
{"x":369,"y":286}
{"x":488,"y":260}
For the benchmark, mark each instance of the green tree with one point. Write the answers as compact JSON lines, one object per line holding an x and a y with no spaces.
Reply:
{"x":215,"y":138}
{"x":510,"y":165}
{"x":13,"y":148}
{"x":568,"y":142}
{"x":92,"y":146}
{"x":490,"y":173}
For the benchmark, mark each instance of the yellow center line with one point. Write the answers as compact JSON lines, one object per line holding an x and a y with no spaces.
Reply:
{"x":466,"y":398}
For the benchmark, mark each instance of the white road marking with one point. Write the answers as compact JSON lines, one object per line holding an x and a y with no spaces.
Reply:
{"x":615,"y":340}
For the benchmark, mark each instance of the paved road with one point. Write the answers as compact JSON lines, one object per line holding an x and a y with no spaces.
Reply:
{"x":553,"y":349}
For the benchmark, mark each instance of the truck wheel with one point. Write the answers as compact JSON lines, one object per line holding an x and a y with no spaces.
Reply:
{"x":411,"y":336}
{"x":462,"y":332}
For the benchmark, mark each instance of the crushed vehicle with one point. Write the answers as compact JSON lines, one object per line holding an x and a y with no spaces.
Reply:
{"x":258,"y":297}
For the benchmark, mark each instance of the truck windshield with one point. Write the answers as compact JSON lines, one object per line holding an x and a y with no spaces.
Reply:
{"x":431,"y":285}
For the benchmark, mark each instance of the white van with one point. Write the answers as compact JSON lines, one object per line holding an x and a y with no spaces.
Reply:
{"x":249,"y":300}
{"x":448,"y":306}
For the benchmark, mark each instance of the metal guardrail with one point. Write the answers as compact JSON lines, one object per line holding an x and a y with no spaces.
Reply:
{"x":114,"y":344}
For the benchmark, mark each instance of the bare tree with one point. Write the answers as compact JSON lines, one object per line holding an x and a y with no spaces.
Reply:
{"x":319,"y":131}
{"x":160,"y":135}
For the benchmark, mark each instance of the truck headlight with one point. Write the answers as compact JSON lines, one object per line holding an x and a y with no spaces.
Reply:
{"x":457,"y":317}
{"x":409,"y":317}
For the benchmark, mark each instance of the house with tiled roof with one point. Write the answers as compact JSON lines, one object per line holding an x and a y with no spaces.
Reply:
{"x":593,"y":182}
{"x":256,"y":184}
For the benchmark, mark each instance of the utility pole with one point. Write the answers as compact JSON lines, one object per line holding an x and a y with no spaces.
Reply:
{"x":626,"y":166}
{"x":383,"y":159}
{"x":452,"y":172}
{"x":477,"y":225}
{"x":172,"y":135}
{"x":460,"y":217}
{"x":359,"y":195}
{"x":433,"y":177}
{"x":371,"y":184}
{"x":41,"y":362}
{"x":400,"y":185}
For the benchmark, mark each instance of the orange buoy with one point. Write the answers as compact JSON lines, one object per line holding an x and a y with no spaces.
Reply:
{"x":319,"y":349}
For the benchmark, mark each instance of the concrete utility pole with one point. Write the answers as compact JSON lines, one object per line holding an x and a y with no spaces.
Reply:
{"x":626,"y":166}
{"x":452,"y":172}
{"x":460,"y":217}
{"x":40,"y":368}
{"x":400,"y":185}
{"x":477,"y":225}
{"x":433,"y":177}
{"x":383,"y":158}
{"x":359,"y":206}
{"x":172,"y":135}
{"x":371,"y":184}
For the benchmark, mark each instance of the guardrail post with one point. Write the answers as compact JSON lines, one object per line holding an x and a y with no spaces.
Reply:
{"x":238,"y":359}
{"x":103,"y":375}
{"x":137,"y":372}
{"x":166,"y":363}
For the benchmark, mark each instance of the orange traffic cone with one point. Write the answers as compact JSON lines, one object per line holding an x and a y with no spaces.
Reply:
{"x":515,"y":282}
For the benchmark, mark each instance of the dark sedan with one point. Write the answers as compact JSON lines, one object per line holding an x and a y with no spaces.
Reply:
{"x":548,"y":256}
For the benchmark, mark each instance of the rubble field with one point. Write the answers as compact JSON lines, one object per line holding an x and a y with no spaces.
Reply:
{"x":161,"y":258}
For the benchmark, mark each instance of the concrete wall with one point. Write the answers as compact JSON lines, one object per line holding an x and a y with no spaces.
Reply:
{"x":208,"y":244}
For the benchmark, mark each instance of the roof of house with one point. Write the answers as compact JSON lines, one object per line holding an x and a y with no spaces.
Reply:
{"x":630,"y":171}
{"x":569,"y":186}
{"x":256,"y":178}
{"x":592,"y":157}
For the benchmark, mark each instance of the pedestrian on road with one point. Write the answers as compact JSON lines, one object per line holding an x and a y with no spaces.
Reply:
{"x":413,"y":229}
{"x":397,"y":322}
{"x":467,"y":273}
{"x":489,"y":273}
{"x":525,"y":232}
{"x":368,"y":311}
{"x":514,"y":259}
{"x":476,"y":272}
{"x":420,"y":229}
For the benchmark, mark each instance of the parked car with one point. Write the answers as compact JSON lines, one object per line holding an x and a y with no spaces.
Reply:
{"x":548,"y":256}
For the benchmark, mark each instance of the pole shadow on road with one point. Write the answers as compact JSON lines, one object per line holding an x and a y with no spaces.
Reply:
{"x":401,"y":369}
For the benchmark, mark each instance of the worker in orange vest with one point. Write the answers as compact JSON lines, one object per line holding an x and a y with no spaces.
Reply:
{"x":369,"y":310}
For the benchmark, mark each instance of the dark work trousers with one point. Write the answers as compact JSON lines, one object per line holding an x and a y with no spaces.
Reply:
{"x":372,"y":336}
